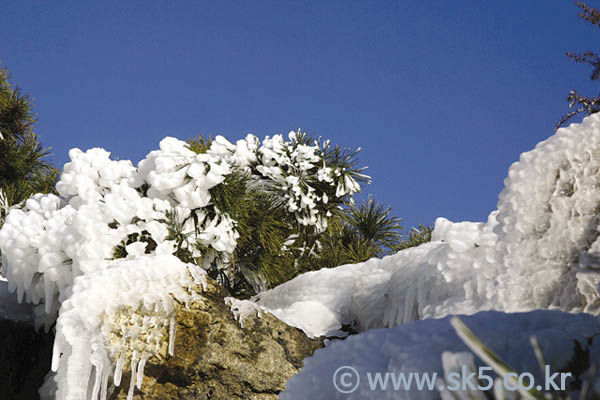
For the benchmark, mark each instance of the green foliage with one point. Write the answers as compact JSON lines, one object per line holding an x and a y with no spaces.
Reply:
{"x":584,"y":104}
{"x":263,"y":227}
{"x":373,"y":223}
{"x":23,"y":168}
{"x":200,"y":144}
{"x":416,"y":237}
{"x":273,"y":246}
{"x":354,"y":234}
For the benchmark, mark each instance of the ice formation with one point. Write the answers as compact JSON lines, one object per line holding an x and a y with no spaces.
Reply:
{"x":121,"y":313}
{"x":100,"y":256}
{"x":453,"y":274}
{"x":540,"y":249}
{"x":548,"y":218}
{"x":242,"y":309}
{"x":432,"y":346}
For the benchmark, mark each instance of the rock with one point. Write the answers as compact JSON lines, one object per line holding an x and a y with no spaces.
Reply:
{"x":25,"y":358}
{"x":215,"y":358}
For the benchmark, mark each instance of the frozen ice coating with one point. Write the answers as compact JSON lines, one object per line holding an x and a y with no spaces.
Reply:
{"x":540,"y":249}
{"x":286,"y":165}
{"x":243,"y":309}
{"x":451,"y":275}
{"x":109,"y":209}
{"x":100,"y":255}
{"x":432,"y":346}
{"x":121,"y":313}
{"x":548,"y":217}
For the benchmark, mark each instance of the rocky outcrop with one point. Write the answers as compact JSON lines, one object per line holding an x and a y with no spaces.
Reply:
{"x":215,"y":358}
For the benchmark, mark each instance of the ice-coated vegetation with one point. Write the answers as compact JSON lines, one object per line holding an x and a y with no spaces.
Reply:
{"x":110,"y":252}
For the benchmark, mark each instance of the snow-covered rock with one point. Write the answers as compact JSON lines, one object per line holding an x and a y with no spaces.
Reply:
{"x":119,"y":317}
{"x":432,"y":346}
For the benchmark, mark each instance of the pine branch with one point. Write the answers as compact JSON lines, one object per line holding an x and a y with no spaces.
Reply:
{"x":592,"y":15}
{"x":583,"y":104}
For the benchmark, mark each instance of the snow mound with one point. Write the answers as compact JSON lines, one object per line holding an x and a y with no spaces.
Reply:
{"x":540,"y":249}
{"x":432,"y":346}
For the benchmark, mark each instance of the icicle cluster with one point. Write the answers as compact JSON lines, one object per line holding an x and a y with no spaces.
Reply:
{"x":121,"y":313}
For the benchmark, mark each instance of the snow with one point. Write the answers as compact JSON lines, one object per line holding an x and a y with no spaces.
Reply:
{"x":540,"y":249}
{"x":432,"y":346}
{"x":104,"y":204}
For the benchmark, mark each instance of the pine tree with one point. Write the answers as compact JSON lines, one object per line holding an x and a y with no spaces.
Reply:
{"x":274,"y":247}
{"x":584,"y":104}
{"x":24,"y":169}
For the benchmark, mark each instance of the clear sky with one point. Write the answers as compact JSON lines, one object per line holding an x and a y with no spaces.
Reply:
{"x":441,"y":95}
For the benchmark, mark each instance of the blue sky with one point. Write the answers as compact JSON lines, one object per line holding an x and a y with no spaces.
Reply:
{"x":441,"y":95}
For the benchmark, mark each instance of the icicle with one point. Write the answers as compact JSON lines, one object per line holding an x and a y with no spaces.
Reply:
{"x":98,"y":367}
{"x":172,"y":336}
{"x":78,"y":370}
{"x":56,"y":350}
{"x":421,"y":295}
{"x":20,"y":293}
{"x":48,"y":295}
{"x":104,"y":388}
{"x":140,"y":370}
{"x":119,"y":369}
{"x":133,"y":375}
{"x":27,"y":278}
{"x":409,"y":305}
